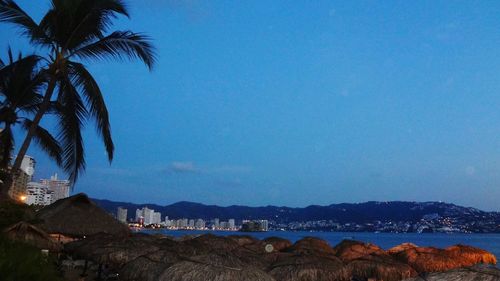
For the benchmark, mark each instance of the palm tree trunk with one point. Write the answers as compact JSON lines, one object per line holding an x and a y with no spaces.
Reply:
{"x":4,"y":169}
{"x":7,"y":183}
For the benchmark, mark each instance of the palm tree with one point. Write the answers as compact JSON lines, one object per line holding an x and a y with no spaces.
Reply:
{"x":20,"y":84}
{"x":74,"y":30}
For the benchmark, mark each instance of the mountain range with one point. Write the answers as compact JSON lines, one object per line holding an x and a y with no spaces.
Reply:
{"x":367,"y":212}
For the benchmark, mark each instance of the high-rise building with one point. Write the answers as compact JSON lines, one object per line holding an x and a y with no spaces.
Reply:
{"x":199,"y":224}
{"x":191,"y":223}
{"x":38,"y":194}
{"x":148,"y":215}
{"x":138,"y":215}
{"x":60,"y":187}
{"x":28,"y":166}
{"x":156,"y":217}
{"x":20,"y":181}
{"x":264,"y":224}
{"x":122,"y":214}
{"x":216,"y":223}
{"x":231,"y":223}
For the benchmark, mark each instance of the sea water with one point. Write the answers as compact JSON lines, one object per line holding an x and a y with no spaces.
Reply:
{"x":489,"y":242}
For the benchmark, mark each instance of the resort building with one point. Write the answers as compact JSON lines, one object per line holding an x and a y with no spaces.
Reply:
{"x":38,"y":194}
{"x":59,"y":187}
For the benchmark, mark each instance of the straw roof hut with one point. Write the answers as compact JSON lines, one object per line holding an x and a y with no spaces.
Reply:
{"x":349,"y":250}
{"x":313,"y":246}
{"x":476,"y":273}
{"x":294,"y":267}
{"x":78,"y":216}
{"x":30,"y":234}
{"x":112,"y":250}
{"x":429,"y":259}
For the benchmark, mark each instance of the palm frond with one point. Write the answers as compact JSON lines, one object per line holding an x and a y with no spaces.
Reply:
{"x":92,"y":18}
{"x":20,"y":82}
{"x":46,"y":141}
{"x":72,"y":114}
{"x":120,"y":45}
{"x":83,"y":80}
{"x":12,"y":13}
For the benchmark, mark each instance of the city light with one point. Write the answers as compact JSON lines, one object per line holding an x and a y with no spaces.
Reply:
{"x":22,"y":198}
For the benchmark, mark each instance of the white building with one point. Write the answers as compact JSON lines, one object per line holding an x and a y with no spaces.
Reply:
{"x":156,"y":217}
{"x":60,"y":187}
{"x":138,"y":215}
{"x":122,"y":214}
{"x":20,"y":182}
{"x":199,"y":224}
{"x":28,"y":166}
{"x":148,"y":215}
{"x":231,"y":223}
{"x":38,"y":194}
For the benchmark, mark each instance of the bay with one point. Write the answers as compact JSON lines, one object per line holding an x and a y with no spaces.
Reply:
{"x":489,"y":242}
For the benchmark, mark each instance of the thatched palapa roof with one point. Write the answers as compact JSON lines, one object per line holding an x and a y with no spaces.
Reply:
{"x":475,"y":273}
{"x":30,"y":234}
{"x":78,"y":216}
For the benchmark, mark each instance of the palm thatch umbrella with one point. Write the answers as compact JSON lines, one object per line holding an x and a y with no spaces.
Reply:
{"x":312,"y":246}
{"x":476,"y":273}
{"x":112,"y":250}
{"x":207,"y":243}
{"x":149,"y":266}
{"x":379,"y":268}
{"x":78,"y":216}
{"x":401,"y":247}
{"x":349,"y":250}
{"x":213,"y":267}
{"x":429,"y":259}
{"x":244,"y":240}
{"x":278,"y":243}
{"x":304,"y":267}
{"x":30,"y":234}
{"x":471,"y":254}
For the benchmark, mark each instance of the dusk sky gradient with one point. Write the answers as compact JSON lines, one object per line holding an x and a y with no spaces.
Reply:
{"x":299,"y":102}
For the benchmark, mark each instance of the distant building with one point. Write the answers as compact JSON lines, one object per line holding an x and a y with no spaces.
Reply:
{"x":122,"y":214}
{"x":148,"y":215}
{"x":156,"y":217}
{"x":138,"y":214}
{"x":60,"y":187}
{"x":216,"y":223}
{"x":231,"y":223}
{"x":199,"y":224}
{"x":38,"y":194}
{"x":20,"y":182}
{"x":191,"y":223}
{"x":254,"y":225}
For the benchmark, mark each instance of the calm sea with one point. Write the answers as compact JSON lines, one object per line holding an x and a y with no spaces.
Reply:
{"x":489,"y":242}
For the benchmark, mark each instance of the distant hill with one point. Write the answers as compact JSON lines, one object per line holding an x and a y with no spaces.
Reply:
{"x":342,"y":213}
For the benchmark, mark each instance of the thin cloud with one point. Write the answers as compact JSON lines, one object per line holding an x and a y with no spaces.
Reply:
{"x":183,"y":167}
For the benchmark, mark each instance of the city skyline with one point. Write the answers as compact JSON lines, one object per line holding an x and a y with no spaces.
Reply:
{"x":303,"y":104}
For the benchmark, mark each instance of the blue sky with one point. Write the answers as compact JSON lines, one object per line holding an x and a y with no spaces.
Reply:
{"x":298,"y":103}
